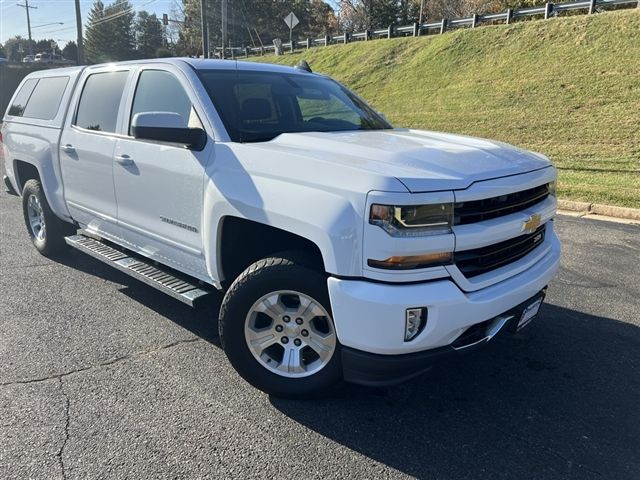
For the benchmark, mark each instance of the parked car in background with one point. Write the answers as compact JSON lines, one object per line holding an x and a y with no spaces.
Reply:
{"x":3,"y":61}
{"x":345,"y":248}
{"x":29,"y":59}
{"x":52,"y":59}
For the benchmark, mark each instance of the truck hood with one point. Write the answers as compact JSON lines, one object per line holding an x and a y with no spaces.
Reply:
{"x":423,"y":161}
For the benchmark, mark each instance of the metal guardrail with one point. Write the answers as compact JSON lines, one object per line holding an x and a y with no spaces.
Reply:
{"x":547,"y":10}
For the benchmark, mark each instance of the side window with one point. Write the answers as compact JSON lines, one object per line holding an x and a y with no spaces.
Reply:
{"x":46,"y":97}
{"x":159,"y":91}
{"x":99,"y":101}
{"x":20,"y":102}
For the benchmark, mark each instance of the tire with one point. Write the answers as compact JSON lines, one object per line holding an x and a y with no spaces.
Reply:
{"x":45,"y":229}
{"x":309,"y":361}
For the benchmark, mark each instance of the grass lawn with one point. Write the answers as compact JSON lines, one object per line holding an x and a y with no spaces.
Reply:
{"x":566,"y":87}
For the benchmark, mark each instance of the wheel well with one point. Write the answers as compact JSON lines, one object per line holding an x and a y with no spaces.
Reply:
{"x":24,"y":172}
{"x":243,"y":242}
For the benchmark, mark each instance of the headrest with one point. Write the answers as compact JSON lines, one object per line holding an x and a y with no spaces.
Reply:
{"x":255,"y":109}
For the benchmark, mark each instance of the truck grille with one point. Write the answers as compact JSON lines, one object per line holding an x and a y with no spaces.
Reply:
{"x":487,"y":208}
{"x":481,"y":260}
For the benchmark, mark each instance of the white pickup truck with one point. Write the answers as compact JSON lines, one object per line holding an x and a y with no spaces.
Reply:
{"x":345,"y":248}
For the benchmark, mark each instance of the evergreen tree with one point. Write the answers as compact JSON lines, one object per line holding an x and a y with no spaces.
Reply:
{"x":149,"y":35}
{"x":96,"y":34}
{"x":70,"y":51}
{"x":110,"y":32}
{"x":121,"y":23}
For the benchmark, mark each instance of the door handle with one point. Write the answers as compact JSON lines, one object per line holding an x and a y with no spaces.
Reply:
{"x":68,"y":148}
{"x":124,"y":160}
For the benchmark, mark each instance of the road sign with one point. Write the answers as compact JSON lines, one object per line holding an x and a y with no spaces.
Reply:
{"x":291,"y":20}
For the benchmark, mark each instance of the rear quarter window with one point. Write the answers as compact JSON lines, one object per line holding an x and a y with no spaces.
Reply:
{"x":22,"y":97}
{"x":46,"y":97}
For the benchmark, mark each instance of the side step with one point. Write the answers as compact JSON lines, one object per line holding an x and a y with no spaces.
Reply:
{"x":179,"y":287}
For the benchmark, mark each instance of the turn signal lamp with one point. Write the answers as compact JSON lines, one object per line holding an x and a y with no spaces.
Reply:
{"x":398,"y":262}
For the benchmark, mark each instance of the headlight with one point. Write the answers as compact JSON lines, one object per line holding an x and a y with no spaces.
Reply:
{"x":414,"y":220}
{"x":552,"y":188}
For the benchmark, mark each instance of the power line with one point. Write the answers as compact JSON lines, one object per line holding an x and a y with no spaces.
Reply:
{"x":121,"y":13}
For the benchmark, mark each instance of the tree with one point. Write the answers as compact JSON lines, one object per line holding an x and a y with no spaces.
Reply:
{"x":44,"y":46}
{"x":2,"y":54}
{"x":369,"y":14}
{"x":110,"y":32}
{"x":149,"y":35}
{"x":12,"y":48}
{"x":96,"y":34}
{"x":317,"y":18}
{"x":163,"y":53}
{"x":122,"y":15}
{"x":70,"y":51}
{"x":189,"y":38}
{"x":253,"y":22}
{"x":437,"y":9}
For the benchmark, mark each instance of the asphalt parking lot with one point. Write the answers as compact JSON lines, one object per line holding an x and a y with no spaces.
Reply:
{"x":103,"y":377}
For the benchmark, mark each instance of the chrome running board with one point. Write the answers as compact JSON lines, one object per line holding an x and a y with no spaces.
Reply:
{"x":173,"y":284}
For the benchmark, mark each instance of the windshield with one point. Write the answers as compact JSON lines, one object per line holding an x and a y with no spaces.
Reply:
{"x":259,"y":106}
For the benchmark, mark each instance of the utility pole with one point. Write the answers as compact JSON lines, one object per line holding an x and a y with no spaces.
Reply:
{"x":79,"y":30}
{"x":204,"y":26}
{"x":26,"y":6}
{"x":224,"y":27}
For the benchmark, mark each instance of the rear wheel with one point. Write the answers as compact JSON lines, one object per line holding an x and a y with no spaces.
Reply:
{"x":277,"y":329}
{"x":45,"y":229}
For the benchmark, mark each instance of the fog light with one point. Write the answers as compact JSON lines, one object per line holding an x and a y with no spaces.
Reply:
{"x":416,"y":319}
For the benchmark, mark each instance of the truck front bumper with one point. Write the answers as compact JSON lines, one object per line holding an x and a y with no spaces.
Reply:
{"x":370,"y":318}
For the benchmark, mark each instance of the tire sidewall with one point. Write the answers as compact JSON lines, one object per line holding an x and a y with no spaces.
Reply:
{"x":236,"y":306}
{"x":56,"y":229}
{"x":33,"y":188}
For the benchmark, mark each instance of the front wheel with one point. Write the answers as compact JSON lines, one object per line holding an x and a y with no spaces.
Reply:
{"x":277,"y":330}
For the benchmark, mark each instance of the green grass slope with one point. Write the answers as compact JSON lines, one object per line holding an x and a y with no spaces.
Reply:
{"x":566,"y":87}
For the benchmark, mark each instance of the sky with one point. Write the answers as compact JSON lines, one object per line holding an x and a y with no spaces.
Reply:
{"x":13,"y":19}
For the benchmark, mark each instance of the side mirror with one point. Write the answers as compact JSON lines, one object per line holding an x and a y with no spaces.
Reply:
{"x":167,"y":127}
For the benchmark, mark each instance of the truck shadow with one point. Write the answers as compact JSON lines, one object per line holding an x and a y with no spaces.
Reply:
{"x":559,"y":400}
{"x":201,"y":321}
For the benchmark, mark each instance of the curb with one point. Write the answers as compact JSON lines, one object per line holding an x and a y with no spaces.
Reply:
{"x":597,"y":209}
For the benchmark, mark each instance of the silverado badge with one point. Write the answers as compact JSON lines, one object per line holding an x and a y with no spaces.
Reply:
{"x":532,"y":223}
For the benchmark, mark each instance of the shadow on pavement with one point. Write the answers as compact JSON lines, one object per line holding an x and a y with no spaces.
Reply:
{"x":201,"y":321}
{"x":559,"y":400}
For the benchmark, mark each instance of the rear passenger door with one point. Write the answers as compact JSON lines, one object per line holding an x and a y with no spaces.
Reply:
{"x":87,"y":146}
{"x":159,"y":188}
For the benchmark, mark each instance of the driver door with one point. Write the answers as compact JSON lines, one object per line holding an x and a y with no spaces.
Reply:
{"x":159,"y":186}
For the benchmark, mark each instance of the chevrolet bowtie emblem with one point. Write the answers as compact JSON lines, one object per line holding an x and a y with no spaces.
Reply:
{"x":532,"y":223}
